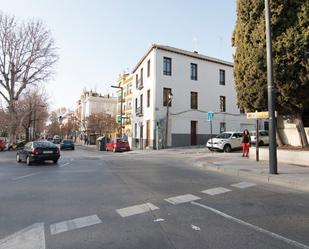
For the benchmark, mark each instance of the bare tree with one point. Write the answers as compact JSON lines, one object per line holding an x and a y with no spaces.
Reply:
{"x":102,"y":123}
{"x":32,"y":111}
{"x":27,"y":56}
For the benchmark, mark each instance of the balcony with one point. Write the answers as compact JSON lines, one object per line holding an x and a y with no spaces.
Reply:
{"x":139,"y":111}
{"x":140,"y":84}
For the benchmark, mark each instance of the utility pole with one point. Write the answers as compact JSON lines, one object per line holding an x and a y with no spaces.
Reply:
{"x":271,"y":98}
{"x":121,"y":103}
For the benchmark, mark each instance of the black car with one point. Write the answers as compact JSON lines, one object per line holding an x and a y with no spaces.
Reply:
{"x":38,"y":151}
{"x":67,"y":144}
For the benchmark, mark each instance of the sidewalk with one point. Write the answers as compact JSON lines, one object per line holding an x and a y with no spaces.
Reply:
{"x":87,"y":147}
{"x":291,"y":176}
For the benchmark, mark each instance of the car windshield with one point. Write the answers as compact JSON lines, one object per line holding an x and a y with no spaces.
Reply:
{"x":43,"y":144}
{"x":224,"y":135}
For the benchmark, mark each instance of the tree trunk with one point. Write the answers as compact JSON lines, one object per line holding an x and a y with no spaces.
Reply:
{"x":12,"y":124}
{"x":27,"y":133}
{"x":301,"y":130}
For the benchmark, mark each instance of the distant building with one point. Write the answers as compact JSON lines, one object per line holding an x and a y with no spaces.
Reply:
{"x":125,"y":81}
{"x":92,"y":102}
{"x":192,"y":85}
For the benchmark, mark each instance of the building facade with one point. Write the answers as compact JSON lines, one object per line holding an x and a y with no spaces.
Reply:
{"x":92,"y":102}
{"x":125,"y":82}
{"x":173,"y":90}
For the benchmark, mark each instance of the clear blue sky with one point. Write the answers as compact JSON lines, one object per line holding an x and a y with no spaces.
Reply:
{"x":98,"y":39}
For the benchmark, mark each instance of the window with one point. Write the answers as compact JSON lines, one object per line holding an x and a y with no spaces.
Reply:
{"x":222,"y":104}
{"x":136,"y":80}
{"x":148,"y":98}
{"x":142,"y":73}
{"x":167,"y":66}
{"x":135,"y":130}
{"x":135,"y":104}
{"x":222,"y":127}
{"x":222,"y":76}
{"x":194,"y":100}
{"x":193,"y":71}
{"x":141,"y":101}
{"x":166,"y":94}
{"x":148,"y":68}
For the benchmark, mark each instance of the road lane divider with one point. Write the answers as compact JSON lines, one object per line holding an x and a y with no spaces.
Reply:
{"x":216,"y":191}
{"x":28,"y":238}
{"x":63,"y":165}
{"x":243,"y":185}
{"x":137,"y":209}
{"x":253,"y":227}
{"x":182,"y":199}
{"x":25,"y":176}
{"x":73,"y":224}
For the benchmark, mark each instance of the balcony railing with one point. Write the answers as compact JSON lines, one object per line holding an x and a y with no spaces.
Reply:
{"x":140,"y":84}
{"x":139,"y":111}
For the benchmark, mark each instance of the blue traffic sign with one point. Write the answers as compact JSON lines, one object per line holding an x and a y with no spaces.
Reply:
{"x":210,"y":116}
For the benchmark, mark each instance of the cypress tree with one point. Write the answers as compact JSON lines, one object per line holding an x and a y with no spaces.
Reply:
{"x":290,"y":34}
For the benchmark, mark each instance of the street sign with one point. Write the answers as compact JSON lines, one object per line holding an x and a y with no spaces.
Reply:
{"x":257,"y":115}
{"x":210,"y":116}
{"x":118,"y":118}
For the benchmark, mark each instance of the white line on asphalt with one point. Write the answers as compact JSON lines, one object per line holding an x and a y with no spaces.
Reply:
{"x":63,"y":165}
{"x":182,"y":199}
{"x":74,"y":224}
{"x":137,"y":209}
{"x":28,"y":238}
{"x":25,"y":176}
{"x":243,"y":185}
{"x":216,"y":191}
{"x":256,"y":228}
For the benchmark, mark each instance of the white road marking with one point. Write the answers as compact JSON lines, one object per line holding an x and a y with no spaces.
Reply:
{"x":63,"y":165}
{"x":32,"y":237}
{"x":256,"y":228}
{"x":25,"y":176}
{"x":137,"y":209}
{"x":182,"y":199}
{"x":196,"y":228}
{"x":158,"y":220}
{"x":243,"y":185}
{"x":74,"y":224}
{"x":216,"y":191}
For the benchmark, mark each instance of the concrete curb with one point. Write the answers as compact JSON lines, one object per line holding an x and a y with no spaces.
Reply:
{"x":294,"y":184}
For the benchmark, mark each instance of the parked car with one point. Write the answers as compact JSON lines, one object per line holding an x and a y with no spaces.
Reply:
{"x":67,"y":144}
{"x":118,"y":145}
{"x":2,"y":145}
{"x":17,"y":145}
{"x":226,"y":141}
{"x":38,"y":151}
{"x":263,"y":137}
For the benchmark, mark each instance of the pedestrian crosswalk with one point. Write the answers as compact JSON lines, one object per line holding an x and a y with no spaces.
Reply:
{"x":91,"y":220}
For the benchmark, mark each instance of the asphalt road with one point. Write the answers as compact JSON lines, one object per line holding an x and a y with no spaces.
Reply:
{"x":94,"y":200}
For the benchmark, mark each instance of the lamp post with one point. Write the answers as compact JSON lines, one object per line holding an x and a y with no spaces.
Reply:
{"x":121,"y":89}
{"x":271,"y":96}
{"x":170,"y":96}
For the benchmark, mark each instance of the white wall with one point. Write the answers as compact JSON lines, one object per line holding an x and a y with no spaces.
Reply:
{"x":209,"y":92}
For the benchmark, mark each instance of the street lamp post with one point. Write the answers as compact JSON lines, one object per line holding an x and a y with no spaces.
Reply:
{"x":121,"y":89}
{"x":271,"y":97}
{"x":170,"y":96}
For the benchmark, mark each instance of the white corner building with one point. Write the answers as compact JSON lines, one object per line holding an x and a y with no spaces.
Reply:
{"x":194,"y":85}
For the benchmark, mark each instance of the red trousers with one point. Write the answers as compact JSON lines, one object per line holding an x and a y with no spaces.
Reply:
{"x":245,"y":148}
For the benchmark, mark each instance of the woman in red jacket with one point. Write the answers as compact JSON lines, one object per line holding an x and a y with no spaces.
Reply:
{"x":246,"y":139}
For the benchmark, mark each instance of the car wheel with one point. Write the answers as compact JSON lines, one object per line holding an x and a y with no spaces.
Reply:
{"x":28,"y":161}
{"x":73,"y":148}
{"x":227,"y":148}
{"x":55,"y":161}
{"x":261,"y":143}
{"x":18,"y":158}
